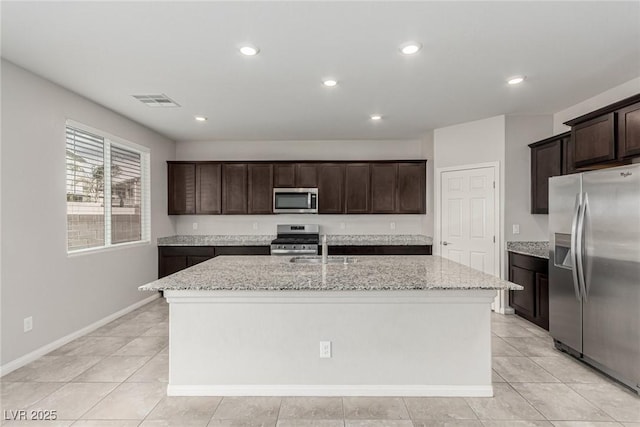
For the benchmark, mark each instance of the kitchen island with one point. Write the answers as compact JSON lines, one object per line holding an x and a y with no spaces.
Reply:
{"x":391,"y":326}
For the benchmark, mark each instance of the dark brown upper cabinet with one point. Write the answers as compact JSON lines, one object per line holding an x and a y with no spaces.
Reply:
{"x":594,"y":141}
{"x":284,"y":175}
{"x":330,"y":188}
{"x":629,"y":131}
{"x":357,"y":189}
{"x":182,"y":188}
{"x":234,"y":188}
{"x":260,"y":194}
{"x":384,"y":177}
{"x":307,"y":175}
{"x":411,"y":188}
{"x":609,"y":136}
{"x":546,"y":161}
{"x":208,"y":188}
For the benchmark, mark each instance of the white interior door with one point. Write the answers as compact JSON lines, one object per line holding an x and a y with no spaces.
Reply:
{"x":467,"y":227}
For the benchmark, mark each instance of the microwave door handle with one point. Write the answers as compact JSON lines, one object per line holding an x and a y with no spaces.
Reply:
{"x":574,"y":249}
{"x":309,"y":200}
{"x":580,"y":246}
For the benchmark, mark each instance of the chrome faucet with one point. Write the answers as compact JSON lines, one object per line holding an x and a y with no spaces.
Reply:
{"x":325,"y":249}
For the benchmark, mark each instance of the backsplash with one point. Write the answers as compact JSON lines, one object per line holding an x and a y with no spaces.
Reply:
{"x":330,"y":224}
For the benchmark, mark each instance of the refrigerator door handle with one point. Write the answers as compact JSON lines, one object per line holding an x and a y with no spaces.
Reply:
{"x":580,"y":248}
{"x":574,"y":246}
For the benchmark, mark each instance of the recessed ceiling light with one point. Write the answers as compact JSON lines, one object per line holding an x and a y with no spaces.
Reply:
{"x":201,"y":119}
{"x":410,"y":48}
{"x":375,"y":117}
{"x":329,"y":83}
{"x":516,"y":80}
{"x":249,"y":50}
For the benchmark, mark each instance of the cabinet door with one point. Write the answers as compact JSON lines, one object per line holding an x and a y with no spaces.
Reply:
{"x":307,"y":175}
{"x":171,"y":264}
{"x":330,"y":188}
{"x":629,"y":131}
{"x":357,"y":188}
{"x":383,"y":187}
{"x":234,"y":188}
{"x":523,"y":301}
{"x":284,"y":175}
{"x":542,"y":303}
{"x":208,"y":188}
{"x":411,"y":188}
{"x":260,"y":178}
{"x":594,"y":141}
{"x":182,"y":188}
{"x":546,"y":161}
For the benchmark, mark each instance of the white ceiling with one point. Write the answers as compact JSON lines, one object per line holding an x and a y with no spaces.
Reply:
{"x":108,"y":51}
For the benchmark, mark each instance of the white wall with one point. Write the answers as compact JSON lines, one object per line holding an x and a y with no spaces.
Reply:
{"x":480,"y":141}
{"x":63,"y":294}
{"x":520,"y":132}
{"x":306,"y":150}
{"x":617,"y":93}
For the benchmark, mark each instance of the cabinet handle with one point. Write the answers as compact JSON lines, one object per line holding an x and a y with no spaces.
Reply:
{"x":445,"y":243}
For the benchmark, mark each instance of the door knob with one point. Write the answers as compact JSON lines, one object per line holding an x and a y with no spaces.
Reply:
{"x":445,"y":243}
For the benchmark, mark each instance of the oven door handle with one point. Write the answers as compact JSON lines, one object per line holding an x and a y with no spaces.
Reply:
{"x":293,"y":253}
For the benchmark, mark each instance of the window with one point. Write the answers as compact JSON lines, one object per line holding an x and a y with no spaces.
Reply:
{"x":104,"y":168}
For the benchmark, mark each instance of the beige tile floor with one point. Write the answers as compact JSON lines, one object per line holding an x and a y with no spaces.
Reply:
{"x":117,"y":376}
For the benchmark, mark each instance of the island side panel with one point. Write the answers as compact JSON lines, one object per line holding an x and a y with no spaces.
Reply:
{"x":387,"y":343}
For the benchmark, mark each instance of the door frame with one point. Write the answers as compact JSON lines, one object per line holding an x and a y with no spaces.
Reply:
{"x":501,"y":304}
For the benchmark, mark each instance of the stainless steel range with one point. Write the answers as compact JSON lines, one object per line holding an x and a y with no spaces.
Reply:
{"x":296,"y":239}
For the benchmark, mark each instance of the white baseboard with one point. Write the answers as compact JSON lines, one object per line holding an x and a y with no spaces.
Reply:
{"x":36,"y":354}
{"x":332,"y":390}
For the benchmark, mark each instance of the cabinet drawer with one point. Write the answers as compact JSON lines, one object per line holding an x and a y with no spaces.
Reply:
{"x":528,"y":262}
{"x":242,"y":250}
{"x":186,"y":251}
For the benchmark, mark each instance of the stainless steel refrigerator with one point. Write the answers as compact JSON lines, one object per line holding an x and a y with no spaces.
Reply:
{"x":594,"y":269}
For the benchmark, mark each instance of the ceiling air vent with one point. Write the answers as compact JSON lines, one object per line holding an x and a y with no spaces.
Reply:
{"x":156,"y":101}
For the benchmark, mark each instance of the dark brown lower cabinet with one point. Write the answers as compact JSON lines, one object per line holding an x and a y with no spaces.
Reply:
{"x":381,"y":250}
{"x":172,"y":259}
{"x":531,"y":303}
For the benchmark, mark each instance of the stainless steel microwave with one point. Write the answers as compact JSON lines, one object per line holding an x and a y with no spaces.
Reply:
{"x":295,"y":200}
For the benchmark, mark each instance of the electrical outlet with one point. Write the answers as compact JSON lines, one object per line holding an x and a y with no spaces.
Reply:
{"x":255,"y":225}
{"x":325,"y":349}
{"x":195,"y":225}
{"x":516,"y":228}
{"x":342,"y":226}
{"x":28,"y":323}
{"x":392,"y":225}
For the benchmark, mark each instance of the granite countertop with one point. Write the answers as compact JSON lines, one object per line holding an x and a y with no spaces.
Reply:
{"x":265,"y":240}
{"x":368,"y":273}
{"x":537,"y":249}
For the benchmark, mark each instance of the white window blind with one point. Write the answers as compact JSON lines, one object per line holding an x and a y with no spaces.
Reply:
{"x":100,"y":169}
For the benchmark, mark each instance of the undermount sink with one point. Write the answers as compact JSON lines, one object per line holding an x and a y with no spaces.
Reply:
{"x":318,"y":259}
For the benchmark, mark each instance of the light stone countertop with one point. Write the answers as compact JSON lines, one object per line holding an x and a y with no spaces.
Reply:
{"x":265,"y":240}
{"x":536,"y":249}
{"x":368,"y":273}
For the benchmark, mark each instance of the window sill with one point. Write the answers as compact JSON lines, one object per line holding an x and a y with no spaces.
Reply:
{"x":111,"y":248}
